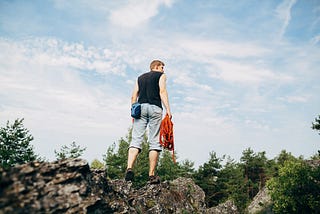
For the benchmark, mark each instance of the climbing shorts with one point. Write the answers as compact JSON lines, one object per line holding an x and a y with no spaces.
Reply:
{"x":151,"y":116}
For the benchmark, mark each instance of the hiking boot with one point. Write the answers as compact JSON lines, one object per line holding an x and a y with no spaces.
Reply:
{"x":129,"y":175}
{"x":154,"y":179}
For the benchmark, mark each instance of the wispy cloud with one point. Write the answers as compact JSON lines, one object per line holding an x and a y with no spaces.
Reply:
{"x":246,"y":73}
{"x":41,"y":81}
{"x":54,"y":52}
{"x":136,"y":12}
{"x":296,"y":99}
{"x":202,"y":48}
{"x":315,"y":40}
{"x":283,"y":12}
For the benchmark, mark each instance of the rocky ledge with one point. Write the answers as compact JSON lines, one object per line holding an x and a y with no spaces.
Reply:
{"x":70,"y":186}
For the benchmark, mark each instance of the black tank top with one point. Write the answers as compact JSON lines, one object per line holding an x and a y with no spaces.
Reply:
{"x":149,"y":90}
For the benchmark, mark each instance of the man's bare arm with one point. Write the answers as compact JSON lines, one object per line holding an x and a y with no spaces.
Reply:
{"x":135,"y":93}
{"x":164,"y":93}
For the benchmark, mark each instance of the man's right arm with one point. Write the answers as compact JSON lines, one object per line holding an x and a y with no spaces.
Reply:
{"x":164,"y":93}
{"x":135,"y":93}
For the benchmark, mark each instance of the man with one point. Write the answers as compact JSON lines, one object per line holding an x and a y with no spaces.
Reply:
{"x":151,"y":92}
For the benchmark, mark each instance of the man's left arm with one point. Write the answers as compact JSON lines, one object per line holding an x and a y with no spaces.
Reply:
{"x":164,"y":94}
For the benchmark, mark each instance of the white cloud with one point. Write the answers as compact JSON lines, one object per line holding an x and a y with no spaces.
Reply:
{"x":202,"y":48}
{"x":186,"y":80}
{"x":39,"y":81}
{"x":53,"y":52}
{"x":246,"y":73}
{"x":283,"y":12}
{"x":296,"y":99}
{"x":48,"y":64}
{"x":137,"y":12}
{"x":315,"y":40}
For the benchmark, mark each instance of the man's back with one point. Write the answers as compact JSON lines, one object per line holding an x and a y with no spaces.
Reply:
{"x":149,"y":91}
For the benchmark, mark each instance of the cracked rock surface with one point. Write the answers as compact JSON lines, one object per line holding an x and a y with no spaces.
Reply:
{"x":70,"y":186}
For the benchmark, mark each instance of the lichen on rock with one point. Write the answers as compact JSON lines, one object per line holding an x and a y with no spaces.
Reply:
{"x":70,"y":186}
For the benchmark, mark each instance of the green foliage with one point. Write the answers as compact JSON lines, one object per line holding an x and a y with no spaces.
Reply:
{"x":233,"y":184}
{"x":296,"y":189}
{"x":116,"y":159}
{"x":167,"y":169}
{"x":239,"y":181}
{"x":316,"y":124}
{"x":254,"y":165}
{"x":116,"y":156}
{"x":116,"y":163}
{"x":15,"y":147}
{"x":316,"y":156}
{"x":283,"y":157}
{"x":207,"y":178}
{"x":72,"y":151}
{"x":96,"y":164}
{"x":294,"y":185}
{"x":141,"y":167}
{"x":186,"y":169}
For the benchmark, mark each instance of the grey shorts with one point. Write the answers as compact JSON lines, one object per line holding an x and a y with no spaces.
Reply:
{"x":151,"y":116}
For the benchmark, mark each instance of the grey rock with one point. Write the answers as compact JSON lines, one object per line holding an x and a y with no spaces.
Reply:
{"x":57,"y":187}
{"x":70,"y":186}
{"x":227,"y":207}
{"x":261,"y":203}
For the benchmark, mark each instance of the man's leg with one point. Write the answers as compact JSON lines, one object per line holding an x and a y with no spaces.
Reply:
{"x":138,"y":130}
{"x":153,"y":159}
{"x":155,"y":147}
{"x":132,"y":156}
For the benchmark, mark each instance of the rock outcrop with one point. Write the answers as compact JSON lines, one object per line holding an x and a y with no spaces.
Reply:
{"x":69,"y":186}
{"x":58,"y":187}
{"x":261,"y":203}
{"x":227,"y":207}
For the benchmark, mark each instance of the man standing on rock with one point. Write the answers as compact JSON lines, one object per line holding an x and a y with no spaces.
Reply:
{"x":151,"y":92}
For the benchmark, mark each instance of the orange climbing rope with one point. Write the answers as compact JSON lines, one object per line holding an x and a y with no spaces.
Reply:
{"x":166,"y":135}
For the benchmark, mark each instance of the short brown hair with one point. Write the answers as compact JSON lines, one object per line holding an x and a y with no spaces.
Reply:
{"x":155,"y":63}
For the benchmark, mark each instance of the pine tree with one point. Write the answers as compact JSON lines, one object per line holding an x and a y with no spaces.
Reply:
{"x":233,"y":184}
{"x":72,"y":151}
{"x":96,"y":164}
{"x":116,"y":159}
{"x":15,"y":147}
{"x":316,"y":124}
{"x":254,"y":165}
{"x":167,"y":169}
{"x":207,"y":178}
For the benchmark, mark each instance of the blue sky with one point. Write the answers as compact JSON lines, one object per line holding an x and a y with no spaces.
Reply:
{"x":240,"y":73}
